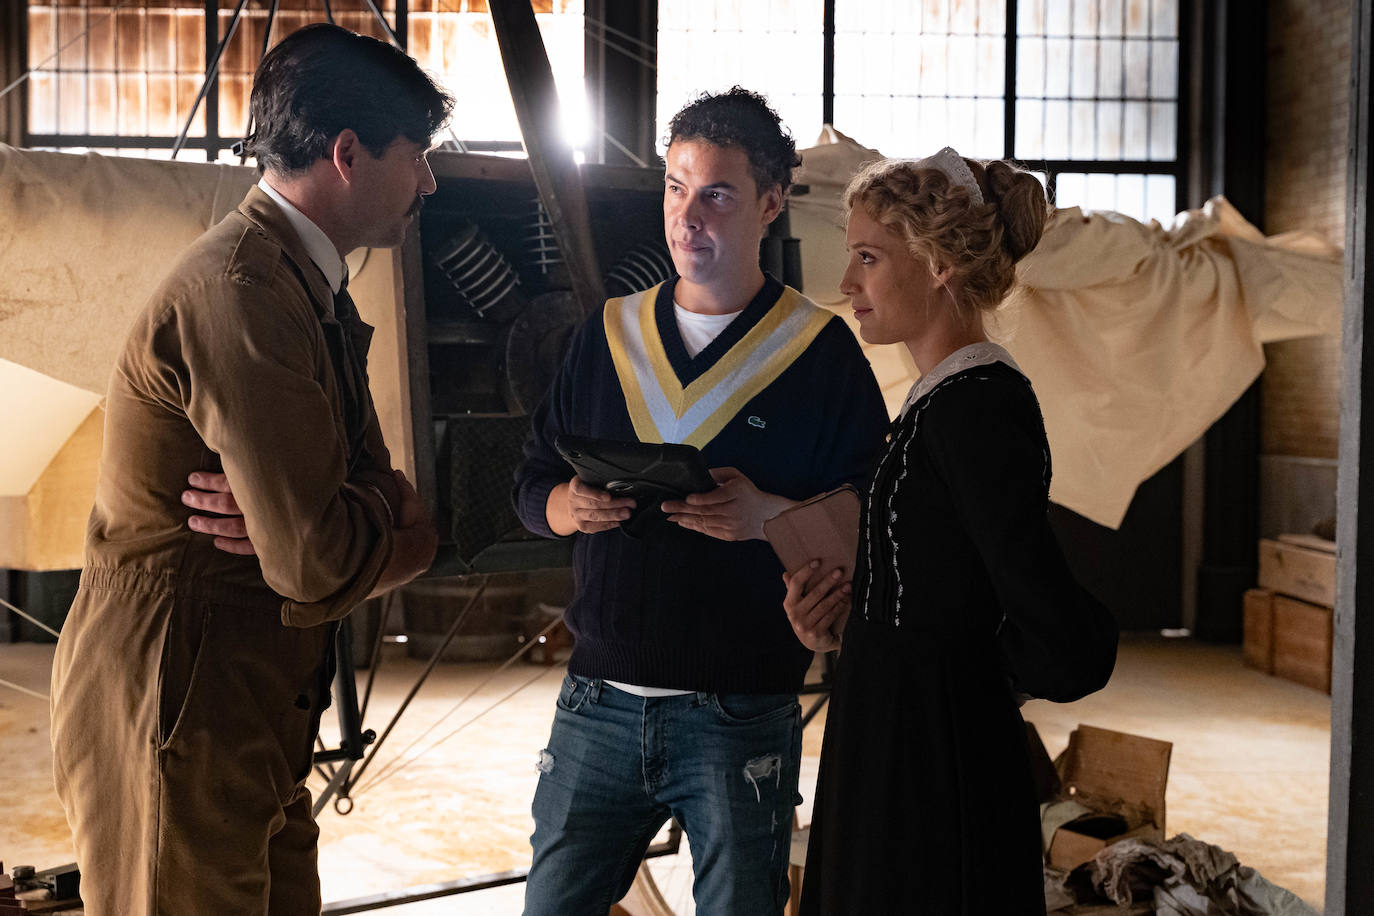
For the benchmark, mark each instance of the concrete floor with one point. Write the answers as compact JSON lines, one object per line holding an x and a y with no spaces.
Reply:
{"x":1249,"y":771}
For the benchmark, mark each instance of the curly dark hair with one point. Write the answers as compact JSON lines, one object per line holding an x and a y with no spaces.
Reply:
{"x":322,"y":79}
{"x":743,"y":119}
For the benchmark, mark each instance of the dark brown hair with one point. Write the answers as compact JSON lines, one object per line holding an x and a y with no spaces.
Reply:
{"x":322,"y":79}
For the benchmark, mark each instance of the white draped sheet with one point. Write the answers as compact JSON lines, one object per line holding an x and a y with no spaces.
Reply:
{"x":84,"y":241}
{"x":1136,"y":336}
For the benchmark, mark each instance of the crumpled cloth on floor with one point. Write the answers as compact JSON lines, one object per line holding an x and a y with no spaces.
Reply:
{"x":1058,"y":896}
{"x":1187,"y":877}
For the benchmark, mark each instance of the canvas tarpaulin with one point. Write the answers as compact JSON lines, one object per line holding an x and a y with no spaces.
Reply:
{"x":1136,"y":336}
{"x":84,"y":241}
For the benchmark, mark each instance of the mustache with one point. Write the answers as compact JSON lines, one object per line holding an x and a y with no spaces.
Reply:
{"x":416,"y":207}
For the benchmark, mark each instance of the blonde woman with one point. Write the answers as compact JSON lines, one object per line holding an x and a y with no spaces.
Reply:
{"x":963,"y":605}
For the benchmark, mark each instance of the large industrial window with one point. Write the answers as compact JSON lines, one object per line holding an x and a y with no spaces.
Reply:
{"x":123,"y":75}
{"x":1097,"y":86}
{"x":456,"y":41}
{"x":104,"y":71}
{"x":1083,"y":91}
{"x":912,"y":76}
{"x":772,"y":46}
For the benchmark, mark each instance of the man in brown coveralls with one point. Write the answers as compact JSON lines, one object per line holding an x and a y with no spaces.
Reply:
{"x":189,"y":681}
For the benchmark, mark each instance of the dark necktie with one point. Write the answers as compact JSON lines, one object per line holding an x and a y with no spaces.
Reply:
{"x":348,"y":369}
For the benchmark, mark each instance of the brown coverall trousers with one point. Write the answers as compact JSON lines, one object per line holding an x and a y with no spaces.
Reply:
{"x":188,"y":683}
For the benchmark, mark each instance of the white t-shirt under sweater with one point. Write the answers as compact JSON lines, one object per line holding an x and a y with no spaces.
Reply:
{"x":697,"y":331}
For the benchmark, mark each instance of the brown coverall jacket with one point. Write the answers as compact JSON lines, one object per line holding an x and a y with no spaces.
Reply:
{"x":188,"y":682}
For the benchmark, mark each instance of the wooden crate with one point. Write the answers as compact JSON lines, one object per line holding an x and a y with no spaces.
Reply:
{"x":1258,"y":645}
{"x":1299,"y":571}
{"x":1302,"y":642}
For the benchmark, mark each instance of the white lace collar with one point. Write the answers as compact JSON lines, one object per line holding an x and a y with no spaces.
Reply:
{"x":982,"y":353}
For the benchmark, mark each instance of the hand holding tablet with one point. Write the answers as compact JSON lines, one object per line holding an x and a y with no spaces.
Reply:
{"x":648,"y":473}
{"x":825,"y":528}
{"x":817,"y":542}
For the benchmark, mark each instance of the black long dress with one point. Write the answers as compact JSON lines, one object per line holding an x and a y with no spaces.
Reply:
{"x":925,"y":803}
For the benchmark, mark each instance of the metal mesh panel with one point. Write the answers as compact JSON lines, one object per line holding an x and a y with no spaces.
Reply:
{"x":483,"y":454}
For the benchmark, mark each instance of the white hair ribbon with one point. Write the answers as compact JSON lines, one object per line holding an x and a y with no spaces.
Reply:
{"x":955,"y":169}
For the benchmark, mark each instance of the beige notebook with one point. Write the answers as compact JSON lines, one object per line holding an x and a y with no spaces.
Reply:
{"x":824,"y":528}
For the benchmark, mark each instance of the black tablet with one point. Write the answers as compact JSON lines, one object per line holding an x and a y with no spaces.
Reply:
{"x":647,"y":472}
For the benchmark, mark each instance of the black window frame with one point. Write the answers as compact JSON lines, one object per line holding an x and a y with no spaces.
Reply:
{"x":1177,"y":167}
{"x":213,"y":143}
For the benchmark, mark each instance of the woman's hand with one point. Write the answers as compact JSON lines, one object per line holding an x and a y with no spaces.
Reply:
{"x":817,"y":605}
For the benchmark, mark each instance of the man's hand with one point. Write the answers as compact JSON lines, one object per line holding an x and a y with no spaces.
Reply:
{"x":817,"y":614}
{"x":734,"y":511}
{"x":210,"y":493}
{"x":578,"y":506}
{"x":413,"y":540}
{"x":411,"y":512}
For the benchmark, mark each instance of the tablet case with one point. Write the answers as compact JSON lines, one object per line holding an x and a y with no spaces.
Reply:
{"x":647,"y":472}
{"x":825,"y":527}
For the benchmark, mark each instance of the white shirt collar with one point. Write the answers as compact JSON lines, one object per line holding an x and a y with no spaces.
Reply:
{"x":977,"y":354}
{"x":317,"y":244}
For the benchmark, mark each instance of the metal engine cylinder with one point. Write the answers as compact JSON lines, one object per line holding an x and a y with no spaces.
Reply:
{"x":481,"y":275}
{"x":645,"y":266}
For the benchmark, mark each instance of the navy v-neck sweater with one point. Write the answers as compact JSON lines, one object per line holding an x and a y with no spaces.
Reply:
{"x":676,"y":608}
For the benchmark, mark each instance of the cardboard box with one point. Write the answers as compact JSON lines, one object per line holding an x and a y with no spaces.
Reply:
{"x":1258,"y":644}
{"x":1122,"y":779}
{"x":1302,"y":642}
{"x":1293,"y":566}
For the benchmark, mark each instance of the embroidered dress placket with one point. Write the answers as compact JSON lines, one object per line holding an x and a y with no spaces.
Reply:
{"x":897,"y":446}
{"x":661,"y":409}
{"x":866,"y":532}
{"x":972,"y":356}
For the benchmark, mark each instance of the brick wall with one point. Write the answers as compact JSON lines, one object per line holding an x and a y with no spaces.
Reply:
{"x":1309,"y":73}
{"x":1309,"y":107}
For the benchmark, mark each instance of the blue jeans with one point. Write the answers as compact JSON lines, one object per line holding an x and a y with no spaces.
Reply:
{"x":618,"y":766}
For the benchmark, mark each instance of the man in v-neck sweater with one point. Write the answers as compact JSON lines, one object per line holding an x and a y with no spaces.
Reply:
{"x":681,"y":694}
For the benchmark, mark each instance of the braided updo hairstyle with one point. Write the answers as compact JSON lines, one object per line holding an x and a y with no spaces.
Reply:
{"x":943,"y":226}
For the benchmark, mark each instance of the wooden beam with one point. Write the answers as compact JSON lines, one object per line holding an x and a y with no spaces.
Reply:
{"x":7,"y":617}
{"x":1350,"y":830}
{"x":556,"y":176}
{"x":211,"y":22}
{"x":409,"y":276}
{"x":1236,"y":39}
{"x":621,"y":51}
{"x":828,"y":59}
{"x":14,"y":54}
